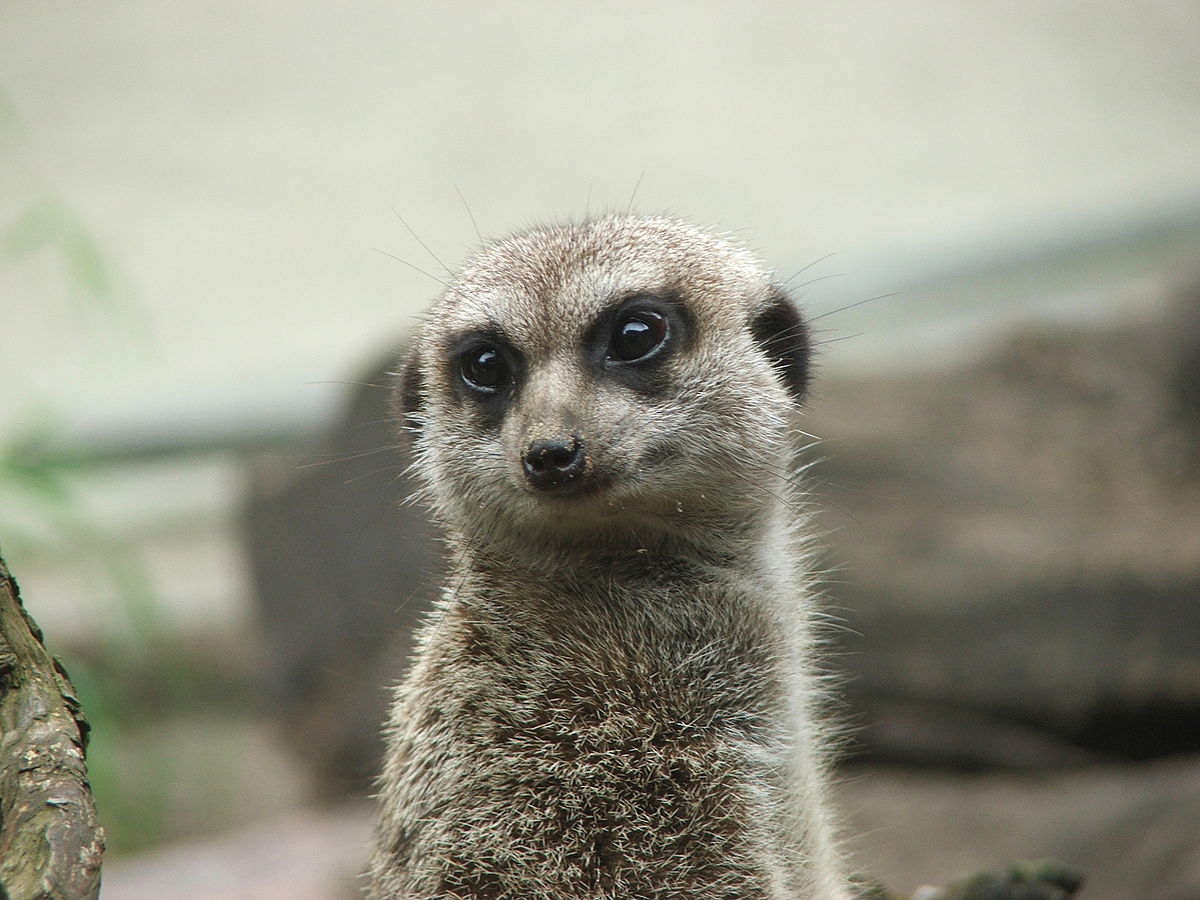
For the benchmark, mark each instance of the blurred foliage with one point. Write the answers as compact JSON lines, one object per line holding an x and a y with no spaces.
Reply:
{"x":38,"y":506}
{"x":137,"y":674}
{"x":35,"y":223}
{"x":36,"y":502}
{"x":109,"y":676}
{"x":48,"y":224}
{"x":136,"y":681}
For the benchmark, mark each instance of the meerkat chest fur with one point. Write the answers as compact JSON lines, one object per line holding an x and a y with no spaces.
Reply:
{"x":614,"y":697}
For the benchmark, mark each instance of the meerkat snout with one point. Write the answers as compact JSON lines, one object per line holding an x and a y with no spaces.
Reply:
{"x":552,"y":465}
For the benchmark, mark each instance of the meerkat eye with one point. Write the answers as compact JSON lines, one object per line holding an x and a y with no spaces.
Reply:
{"x":483,"y":368}
{"x":636,"y":335}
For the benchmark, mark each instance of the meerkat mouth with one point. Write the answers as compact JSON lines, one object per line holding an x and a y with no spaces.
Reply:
{"x":574,"y":491}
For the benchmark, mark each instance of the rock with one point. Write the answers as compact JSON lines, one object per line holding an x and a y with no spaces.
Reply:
{"x":1129,"y":829}
{"x":1015,"y":541}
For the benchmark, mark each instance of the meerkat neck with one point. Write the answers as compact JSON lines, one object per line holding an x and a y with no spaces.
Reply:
{"x":628,"y":550}
{"x":569,"y":598}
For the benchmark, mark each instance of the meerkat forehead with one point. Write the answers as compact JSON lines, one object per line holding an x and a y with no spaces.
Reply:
{"x":566,"y":275}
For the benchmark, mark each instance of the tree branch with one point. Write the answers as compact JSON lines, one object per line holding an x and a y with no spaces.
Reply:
{"x":50,"y":842}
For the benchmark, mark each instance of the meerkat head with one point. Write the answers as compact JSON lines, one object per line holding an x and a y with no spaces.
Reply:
{"x":602,"y":378}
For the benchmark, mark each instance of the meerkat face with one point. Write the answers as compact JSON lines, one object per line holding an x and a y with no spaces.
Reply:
{"x":605,"y":376}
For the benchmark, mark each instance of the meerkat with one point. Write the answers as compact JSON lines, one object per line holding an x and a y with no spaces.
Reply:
{"x":616,"y":696}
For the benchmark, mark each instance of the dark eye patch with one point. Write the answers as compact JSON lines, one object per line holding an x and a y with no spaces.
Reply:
{"x":631,"y":340}
{"x":637,"y":334}
{"x":484,"y":369}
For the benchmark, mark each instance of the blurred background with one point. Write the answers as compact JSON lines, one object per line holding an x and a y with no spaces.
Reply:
{"x":991,"y":211}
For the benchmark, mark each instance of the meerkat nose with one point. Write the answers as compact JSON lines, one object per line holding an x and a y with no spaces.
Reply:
{"x":554,"y":463}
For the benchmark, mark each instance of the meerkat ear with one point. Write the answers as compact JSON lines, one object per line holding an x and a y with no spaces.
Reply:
{"x":783,"y":335}
{"x":410,"y":392}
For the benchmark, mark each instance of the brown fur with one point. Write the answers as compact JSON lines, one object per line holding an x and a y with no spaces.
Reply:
{"x":615,"y":696}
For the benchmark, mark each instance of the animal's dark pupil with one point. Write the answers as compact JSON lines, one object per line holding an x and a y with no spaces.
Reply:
{"x":638,"y":336}
{"x":484,"y":368}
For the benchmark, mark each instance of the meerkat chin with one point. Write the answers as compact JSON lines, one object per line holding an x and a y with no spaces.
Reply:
{"x":615,"y":696}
